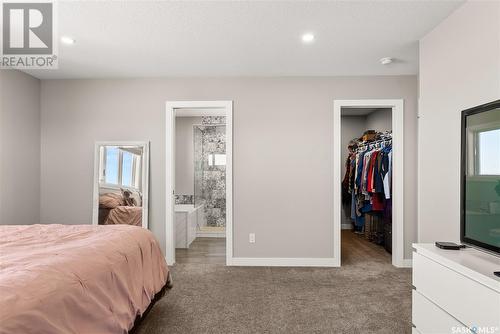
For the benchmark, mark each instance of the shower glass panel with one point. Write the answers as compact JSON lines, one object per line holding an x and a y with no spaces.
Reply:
{"x":210,"y":172}
{"x":198,"y":165}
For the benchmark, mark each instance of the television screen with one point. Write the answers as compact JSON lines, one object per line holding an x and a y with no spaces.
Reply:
{"x":481,"y":176}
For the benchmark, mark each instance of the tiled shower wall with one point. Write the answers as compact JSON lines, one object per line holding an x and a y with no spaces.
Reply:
{"x":210,"y":179}
{"x":184,"y":199}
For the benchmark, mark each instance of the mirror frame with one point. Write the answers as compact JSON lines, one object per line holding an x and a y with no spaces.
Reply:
{"x":145,"y":178}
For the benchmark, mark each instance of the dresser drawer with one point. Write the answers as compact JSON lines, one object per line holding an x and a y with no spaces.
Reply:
{"x":428,"y":318}
{"x":463,"y":298}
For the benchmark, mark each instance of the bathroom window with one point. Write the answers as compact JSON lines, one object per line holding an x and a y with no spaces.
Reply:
{"x":216,"y":159}
{"x":219,"y":159}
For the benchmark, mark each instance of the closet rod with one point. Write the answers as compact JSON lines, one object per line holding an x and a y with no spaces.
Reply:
{"x":374,"y":142}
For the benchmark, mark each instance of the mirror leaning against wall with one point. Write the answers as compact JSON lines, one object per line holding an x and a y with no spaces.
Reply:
{"x":121,"y":178}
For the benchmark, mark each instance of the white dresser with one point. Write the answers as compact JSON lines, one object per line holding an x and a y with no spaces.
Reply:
{"x":455,"y":291}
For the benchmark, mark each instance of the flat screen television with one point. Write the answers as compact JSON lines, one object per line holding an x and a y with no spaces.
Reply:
{"x":480,"y":177}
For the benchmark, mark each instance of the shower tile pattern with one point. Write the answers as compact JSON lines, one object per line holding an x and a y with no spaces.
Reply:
{"x":184,"y":199}
{"x":213,"y":120}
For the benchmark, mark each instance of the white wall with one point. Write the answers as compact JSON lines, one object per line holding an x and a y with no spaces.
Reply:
{"x":184,"y":154}
{"x":459,"y":69}
{"x":352,"y":127}
{"x":379,"y":120}
{"x":19,"y":148}
{"x":283,"y":142}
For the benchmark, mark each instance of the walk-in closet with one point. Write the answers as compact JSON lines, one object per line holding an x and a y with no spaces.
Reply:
{"x":366,"y":184}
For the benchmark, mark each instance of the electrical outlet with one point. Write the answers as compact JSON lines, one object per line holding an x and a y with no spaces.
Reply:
{"x":251,"y":238}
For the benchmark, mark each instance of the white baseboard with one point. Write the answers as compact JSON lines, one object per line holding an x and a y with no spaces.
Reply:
{"x":346,"y":226}
{"x":407,"y":263}
{"x":283,"y":262}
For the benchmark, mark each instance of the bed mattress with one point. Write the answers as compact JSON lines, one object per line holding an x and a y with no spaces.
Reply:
{"x":77,"y":278}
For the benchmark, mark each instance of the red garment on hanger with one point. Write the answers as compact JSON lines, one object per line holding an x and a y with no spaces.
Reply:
{"x":371,"y":167}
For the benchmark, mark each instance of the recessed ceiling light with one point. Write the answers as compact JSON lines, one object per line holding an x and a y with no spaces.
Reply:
{"x":67,"y":40}
{"x":386,"y":60}
{"x":307,"y":38}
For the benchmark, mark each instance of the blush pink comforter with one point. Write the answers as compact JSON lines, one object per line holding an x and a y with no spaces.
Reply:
{"x":77,"y":278}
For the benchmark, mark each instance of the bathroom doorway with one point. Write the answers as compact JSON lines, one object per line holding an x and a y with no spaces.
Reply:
{"x":199,"y":182}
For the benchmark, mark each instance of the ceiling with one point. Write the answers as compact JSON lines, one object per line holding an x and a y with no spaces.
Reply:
{"x":241,"y":38}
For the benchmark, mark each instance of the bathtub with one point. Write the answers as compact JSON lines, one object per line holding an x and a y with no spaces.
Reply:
{"x":187,"y":219}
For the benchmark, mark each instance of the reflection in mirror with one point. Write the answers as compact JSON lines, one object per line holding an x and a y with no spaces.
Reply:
{"x":121,"y":184}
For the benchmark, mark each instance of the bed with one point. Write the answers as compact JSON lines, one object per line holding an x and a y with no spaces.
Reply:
{"x":77,"y":278}
{"x":128,"y":215}
{"x":114,"y":210}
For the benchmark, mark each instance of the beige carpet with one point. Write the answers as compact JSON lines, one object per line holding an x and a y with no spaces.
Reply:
{"x":366,"y":295}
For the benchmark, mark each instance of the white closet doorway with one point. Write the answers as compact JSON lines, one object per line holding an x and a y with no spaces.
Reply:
{"x":396,"y":120}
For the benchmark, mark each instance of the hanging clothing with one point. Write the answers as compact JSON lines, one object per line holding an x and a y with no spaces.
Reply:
{"x":388,"y":177}
{"x":346,"y":197}
{"x":353,"y":206}
{"x":367,"y":182}
{"x":378,"y":178}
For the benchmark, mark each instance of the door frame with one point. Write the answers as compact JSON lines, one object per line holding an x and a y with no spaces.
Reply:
{"x":171,"y":107}
{"x":397,"y":107}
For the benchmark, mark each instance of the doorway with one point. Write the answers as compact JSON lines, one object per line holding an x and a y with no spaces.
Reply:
{"x":373,"y":229}
{"x":199,"y":182}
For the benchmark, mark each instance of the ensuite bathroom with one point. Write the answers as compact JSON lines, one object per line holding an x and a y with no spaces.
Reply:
{"x":200,"y":187}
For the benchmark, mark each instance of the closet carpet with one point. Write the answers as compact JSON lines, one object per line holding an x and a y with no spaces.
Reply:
{"x":366,"y":295}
